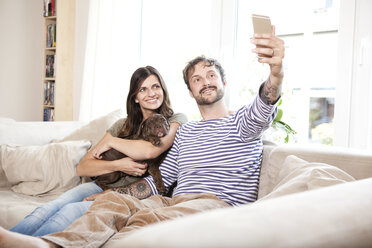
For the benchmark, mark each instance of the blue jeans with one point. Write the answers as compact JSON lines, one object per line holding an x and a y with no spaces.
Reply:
{"x":58,"y":214}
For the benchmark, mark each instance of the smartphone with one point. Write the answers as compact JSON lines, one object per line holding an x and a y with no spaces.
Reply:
{"x":261,"y":24}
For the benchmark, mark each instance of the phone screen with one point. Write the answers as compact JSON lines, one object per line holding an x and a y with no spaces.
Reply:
{"x":261,"y":24}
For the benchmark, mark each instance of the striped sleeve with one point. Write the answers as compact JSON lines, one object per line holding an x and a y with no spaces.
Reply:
{"x":256,"y":118}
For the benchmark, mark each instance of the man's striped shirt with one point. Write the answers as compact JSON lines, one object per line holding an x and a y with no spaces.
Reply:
{"x":220,"y":156}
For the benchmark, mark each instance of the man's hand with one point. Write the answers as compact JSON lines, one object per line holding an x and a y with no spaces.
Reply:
{"x":270,"y":50}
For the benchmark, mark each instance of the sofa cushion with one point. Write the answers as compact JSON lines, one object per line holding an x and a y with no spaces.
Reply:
{"x":15,"y":206}
{"x":95,"y":129}
{"x":297,"y":175}
{"x":264,"y":186}
{"x":35,"y":170}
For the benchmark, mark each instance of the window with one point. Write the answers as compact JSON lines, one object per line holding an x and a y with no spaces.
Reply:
{"x":222,"y":29}
{"x":310,"y":32}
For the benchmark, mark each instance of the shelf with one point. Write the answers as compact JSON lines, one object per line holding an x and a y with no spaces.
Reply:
{"x":58,"y":61}
{"x":48,"y":106}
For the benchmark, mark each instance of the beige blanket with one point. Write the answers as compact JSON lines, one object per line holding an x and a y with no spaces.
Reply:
{"x":112,"y":213}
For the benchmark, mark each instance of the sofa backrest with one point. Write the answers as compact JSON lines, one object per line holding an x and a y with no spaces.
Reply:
{"x":35,"y":133}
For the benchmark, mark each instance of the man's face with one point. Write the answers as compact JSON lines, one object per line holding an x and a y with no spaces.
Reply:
{"x":206,"y":84}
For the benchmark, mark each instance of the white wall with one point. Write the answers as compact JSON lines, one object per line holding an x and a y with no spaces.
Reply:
{"x":21,"y":34}
{"x":81,"y":28}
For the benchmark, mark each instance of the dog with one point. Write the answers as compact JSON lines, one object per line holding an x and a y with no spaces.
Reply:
{"x":152,"y":129}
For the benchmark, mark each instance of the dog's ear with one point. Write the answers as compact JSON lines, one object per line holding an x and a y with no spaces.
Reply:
{"x":146,"y":129}
{"x":143,"y":125}
{"x":140,"y":130}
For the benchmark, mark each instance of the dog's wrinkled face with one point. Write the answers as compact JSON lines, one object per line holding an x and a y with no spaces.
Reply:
{"x":155,"y":125}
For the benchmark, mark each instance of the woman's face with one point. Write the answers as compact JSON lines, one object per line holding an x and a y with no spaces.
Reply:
{"x":150,"y":96}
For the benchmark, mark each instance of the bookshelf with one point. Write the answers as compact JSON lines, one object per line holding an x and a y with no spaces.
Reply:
{"x":58,"y":60}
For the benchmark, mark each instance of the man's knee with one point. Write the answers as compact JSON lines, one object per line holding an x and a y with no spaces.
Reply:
{"x":114,"y":200}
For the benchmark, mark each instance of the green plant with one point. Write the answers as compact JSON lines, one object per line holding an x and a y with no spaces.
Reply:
{"x":279,"y":124}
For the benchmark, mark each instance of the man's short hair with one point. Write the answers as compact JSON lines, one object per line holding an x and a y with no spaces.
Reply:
{"x":207,"y":61}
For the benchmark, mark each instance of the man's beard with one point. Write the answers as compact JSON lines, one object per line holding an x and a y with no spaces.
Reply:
{"x":201,"y":100}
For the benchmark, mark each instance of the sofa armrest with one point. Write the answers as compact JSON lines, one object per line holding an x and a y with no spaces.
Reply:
{"x":355,"y":162}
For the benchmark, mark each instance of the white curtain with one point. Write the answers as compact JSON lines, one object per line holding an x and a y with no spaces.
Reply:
{"x":111,"y":56}
{"x":123,"y":35}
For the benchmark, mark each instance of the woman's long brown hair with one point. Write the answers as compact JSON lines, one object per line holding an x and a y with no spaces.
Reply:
{"x":134,"y":113}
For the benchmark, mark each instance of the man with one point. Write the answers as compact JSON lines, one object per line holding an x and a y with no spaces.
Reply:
{"x":215,"y":161}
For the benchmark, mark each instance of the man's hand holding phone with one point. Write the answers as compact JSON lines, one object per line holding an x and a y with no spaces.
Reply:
{"x":269,"y":48}
{"x":262,"y":29}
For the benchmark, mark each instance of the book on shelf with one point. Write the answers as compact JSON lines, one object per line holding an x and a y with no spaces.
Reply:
{"x":49,"y":93}
{"x":54,"y":67}
{"x":50,"y":65}
{"x":50,"y":8}
{"x":51,"y":35}
{"x":46,"y":93}
{"x":55,"y":36}
{"x":48,"y":114}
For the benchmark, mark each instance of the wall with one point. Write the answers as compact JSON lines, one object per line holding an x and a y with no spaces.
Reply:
{"x":21,"y":29}
{"x":81,"y":28}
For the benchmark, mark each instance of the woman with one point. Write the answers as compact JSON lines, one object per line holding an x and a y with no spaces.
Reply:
{"x":147,"y":95}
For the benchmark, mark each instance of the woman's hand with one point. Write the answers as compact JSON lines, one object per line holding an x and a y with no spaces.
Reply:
{"x":103,"y":145}
{"x":131,"y":167}
{"x":94,"y":196}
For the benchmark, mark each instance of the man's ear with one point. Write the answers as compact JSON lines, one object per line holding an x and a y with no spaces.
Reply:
{"x":224,"y":82}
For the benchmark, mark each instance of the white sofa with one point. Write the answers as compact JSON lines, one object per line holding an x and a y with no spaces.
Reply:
{"x":309,"y":196}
